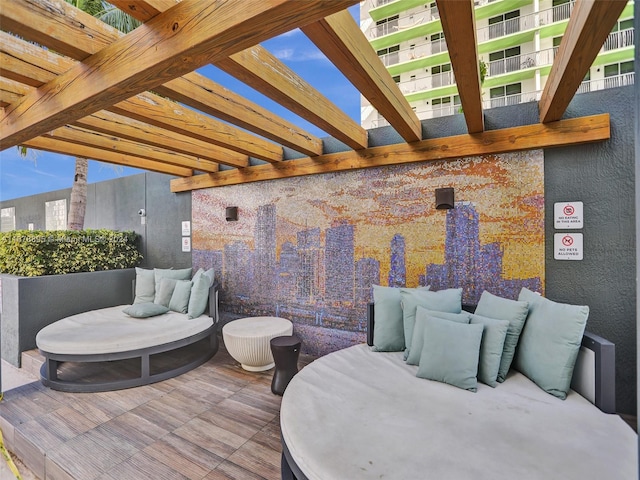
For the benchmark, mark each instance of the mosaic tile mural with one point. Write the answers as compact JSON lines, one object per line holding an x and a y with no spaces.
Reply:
{"x":309,"y":248}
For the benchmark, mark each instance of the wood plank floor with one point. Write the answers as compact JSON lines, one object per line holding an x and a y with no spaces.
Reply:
{"x":215,"y":422}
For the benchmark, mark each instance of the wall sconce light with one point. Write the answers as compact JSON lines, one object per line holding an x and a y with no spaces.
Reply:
{"x":444,"y":198}
{"x":231,"y":214}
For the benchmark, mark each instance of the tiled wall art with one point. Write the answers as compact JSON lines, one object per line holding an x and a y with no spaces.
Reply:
{"x":309,"y":248}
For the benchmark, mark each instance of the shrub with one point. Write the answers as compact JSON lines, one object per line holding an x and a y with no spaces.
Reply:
{"x":34,"y":253}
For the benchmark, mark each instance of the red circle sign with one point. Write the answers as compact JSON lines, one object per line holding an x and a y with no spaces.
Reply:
{"x":567,"y":240}
{"x":569,"y":210}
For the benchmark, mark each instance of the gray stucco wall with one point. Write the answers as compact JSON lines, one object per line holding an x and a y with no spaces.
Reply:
{"x":29,"y":304}
{"x":602,"y":176}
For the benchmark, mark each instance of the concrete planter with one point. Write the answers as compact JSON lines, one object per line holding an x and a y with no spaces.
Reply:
{"x":31,"y":303}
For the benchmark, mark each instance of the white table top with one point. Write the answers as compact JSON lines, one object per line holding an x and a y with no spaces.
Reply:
{"x":257,"y":326}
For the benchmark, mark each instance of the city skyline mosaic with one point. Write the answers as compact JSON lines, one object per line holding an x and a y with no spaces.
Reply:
{"x":310,"y":248}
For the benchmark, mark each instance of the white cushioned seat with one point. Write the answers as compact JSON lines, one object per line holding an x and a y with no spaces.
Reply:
{"x":109,"y":330}
{"x":362,"y":414}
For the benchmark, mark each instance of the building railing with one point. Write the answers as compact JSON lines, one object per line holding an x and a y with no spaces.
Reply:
{"x":621,"y":39}
{"x":404,"y":22}
{"x":441,"y":110}
{"x":521,"y":62}
{"x":434,"y":81}
{"x":525,"y":22}
{"x":408,"y":54}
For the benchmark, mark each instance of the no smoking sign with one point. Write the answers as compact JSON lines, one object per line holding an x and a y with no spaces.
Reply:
{"x":567,"y":246}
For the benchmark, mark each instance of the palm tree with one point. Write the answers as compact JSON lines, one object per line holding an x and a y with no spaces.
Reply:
{"x":125,"y":23}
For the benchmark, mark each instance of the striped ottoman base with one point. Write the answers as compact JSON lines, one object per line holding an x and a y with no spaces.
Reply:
{"x":248,"y":340}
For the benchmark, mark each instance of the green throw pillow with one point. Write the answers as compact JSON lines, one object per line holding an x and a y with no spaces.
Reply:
{"x":492,"y":306}
{"x":164,"y":293}
{"x":417,"y":341}
{"x":450,"y":353}
{"x":180,"y":274}
{"x":550,"y":342}
{"x":209,"y":274}
{"x":449,"y":300}
{"x":388,"y":330}
{"x":180,"y":299}
{"x":145,"y":286}
{"x":144,"y":310}
{"x":493,"y":336}
{"x":199,"y":297}
{"x":388,"y":334}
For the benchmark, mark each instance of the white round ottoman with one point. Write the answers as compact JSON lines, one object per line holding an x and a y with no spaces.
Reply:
{"x":248,"y":340}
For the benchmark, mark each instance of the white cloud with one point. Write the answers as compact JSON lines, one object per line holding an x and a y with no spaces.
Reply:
{"x":292,"y":55}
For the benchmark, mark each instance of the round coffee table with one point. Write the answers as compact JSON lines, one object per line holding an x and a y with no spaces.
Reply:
{"x":247,"y":340}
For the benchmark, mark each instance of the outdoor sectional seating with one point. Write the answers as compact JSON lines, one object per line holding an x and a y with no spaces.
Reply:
{"x":361,"y":413}
{"x":111,"y":335}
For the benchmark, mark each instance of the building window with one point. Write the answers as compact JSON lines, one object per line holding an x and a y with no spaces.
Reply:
{"x":506,"y":95}
{"x":396,"y":78}
{"x":389,"y":56}
{"x":438,"y":43}
{"x":55,"y":217}
{"x":433,"y":8}
{"x":619,"y":74}
{"x":504,"y":61}
{"x":7,"y":219}
{"x":441,"y":75}
{"x":386,"y":26}
{"x":504,"y":24}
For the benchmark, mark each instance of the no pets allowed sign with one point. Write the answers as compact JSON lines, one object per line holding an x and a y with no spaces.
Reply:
{"x":567,"y":246}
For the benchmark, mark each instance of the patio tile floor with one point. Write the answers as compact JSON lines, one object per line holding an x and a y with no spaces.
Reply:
{"x":215,"y":422}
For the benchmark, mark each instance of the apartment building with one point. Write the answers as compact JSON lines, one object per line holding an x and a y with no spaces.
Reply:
{"x":517,"y":42}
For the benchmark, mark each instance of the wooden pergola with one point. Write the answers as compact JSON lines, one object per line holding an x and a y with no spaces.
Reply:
{"x":71,"y":84}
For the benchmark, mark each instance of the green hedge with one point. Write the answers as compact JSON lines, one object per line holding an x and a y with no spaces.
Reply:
{"x":34,"y":253}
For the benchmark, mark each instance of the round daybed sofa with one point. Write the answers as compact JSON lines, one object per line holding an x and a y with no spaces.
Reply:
{"x":149,"y":350}
{"x":363,"y":414}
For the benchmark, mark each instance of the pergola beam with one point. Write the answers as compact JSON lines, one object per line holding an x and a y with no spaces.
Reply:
{"x":212,"y":136}
{"x":340,"y":39}
{"x":75,"y":150}
{"x":565,"y":132}
{"x":185,"y":37}
{"x":264,"y":72}
{"x":110,"y":143}
{"x":458,"y":24}
{"x":191,"y":89}
{"x":259,"y":69}
{"x":589,"y":25}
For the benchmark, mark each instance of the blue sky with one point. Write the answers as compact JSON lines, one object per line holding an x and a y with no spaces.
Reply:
{"x":44,"y":171}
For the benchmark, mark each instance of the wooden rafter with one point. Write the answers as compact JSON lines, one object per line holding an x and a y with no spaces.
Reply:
{"x":458,"y":24}
{"x":185,"y":37}
{"x":192,"y":89}
{"x":208,"y":135}
{"x":589,"y":25}
{"x":127,"y":128}
{"x":264,"y":72}
{"x":340,"y":39}
{"x":110,"y":143}
{"x":67,"y":148}
{"x":256,"y":67}
{"x":565,"y":132}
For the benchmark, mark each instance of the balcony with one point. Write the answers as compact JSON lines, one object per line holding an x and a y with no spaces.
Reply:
{"x":523,"y":61}
{"x":408,"y":54}
{"x":525,"y":22}
{"x":622,"y":80}
{"x":438,"y":80}
{"x":403,"y":23}
{"x":621,"y":39}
